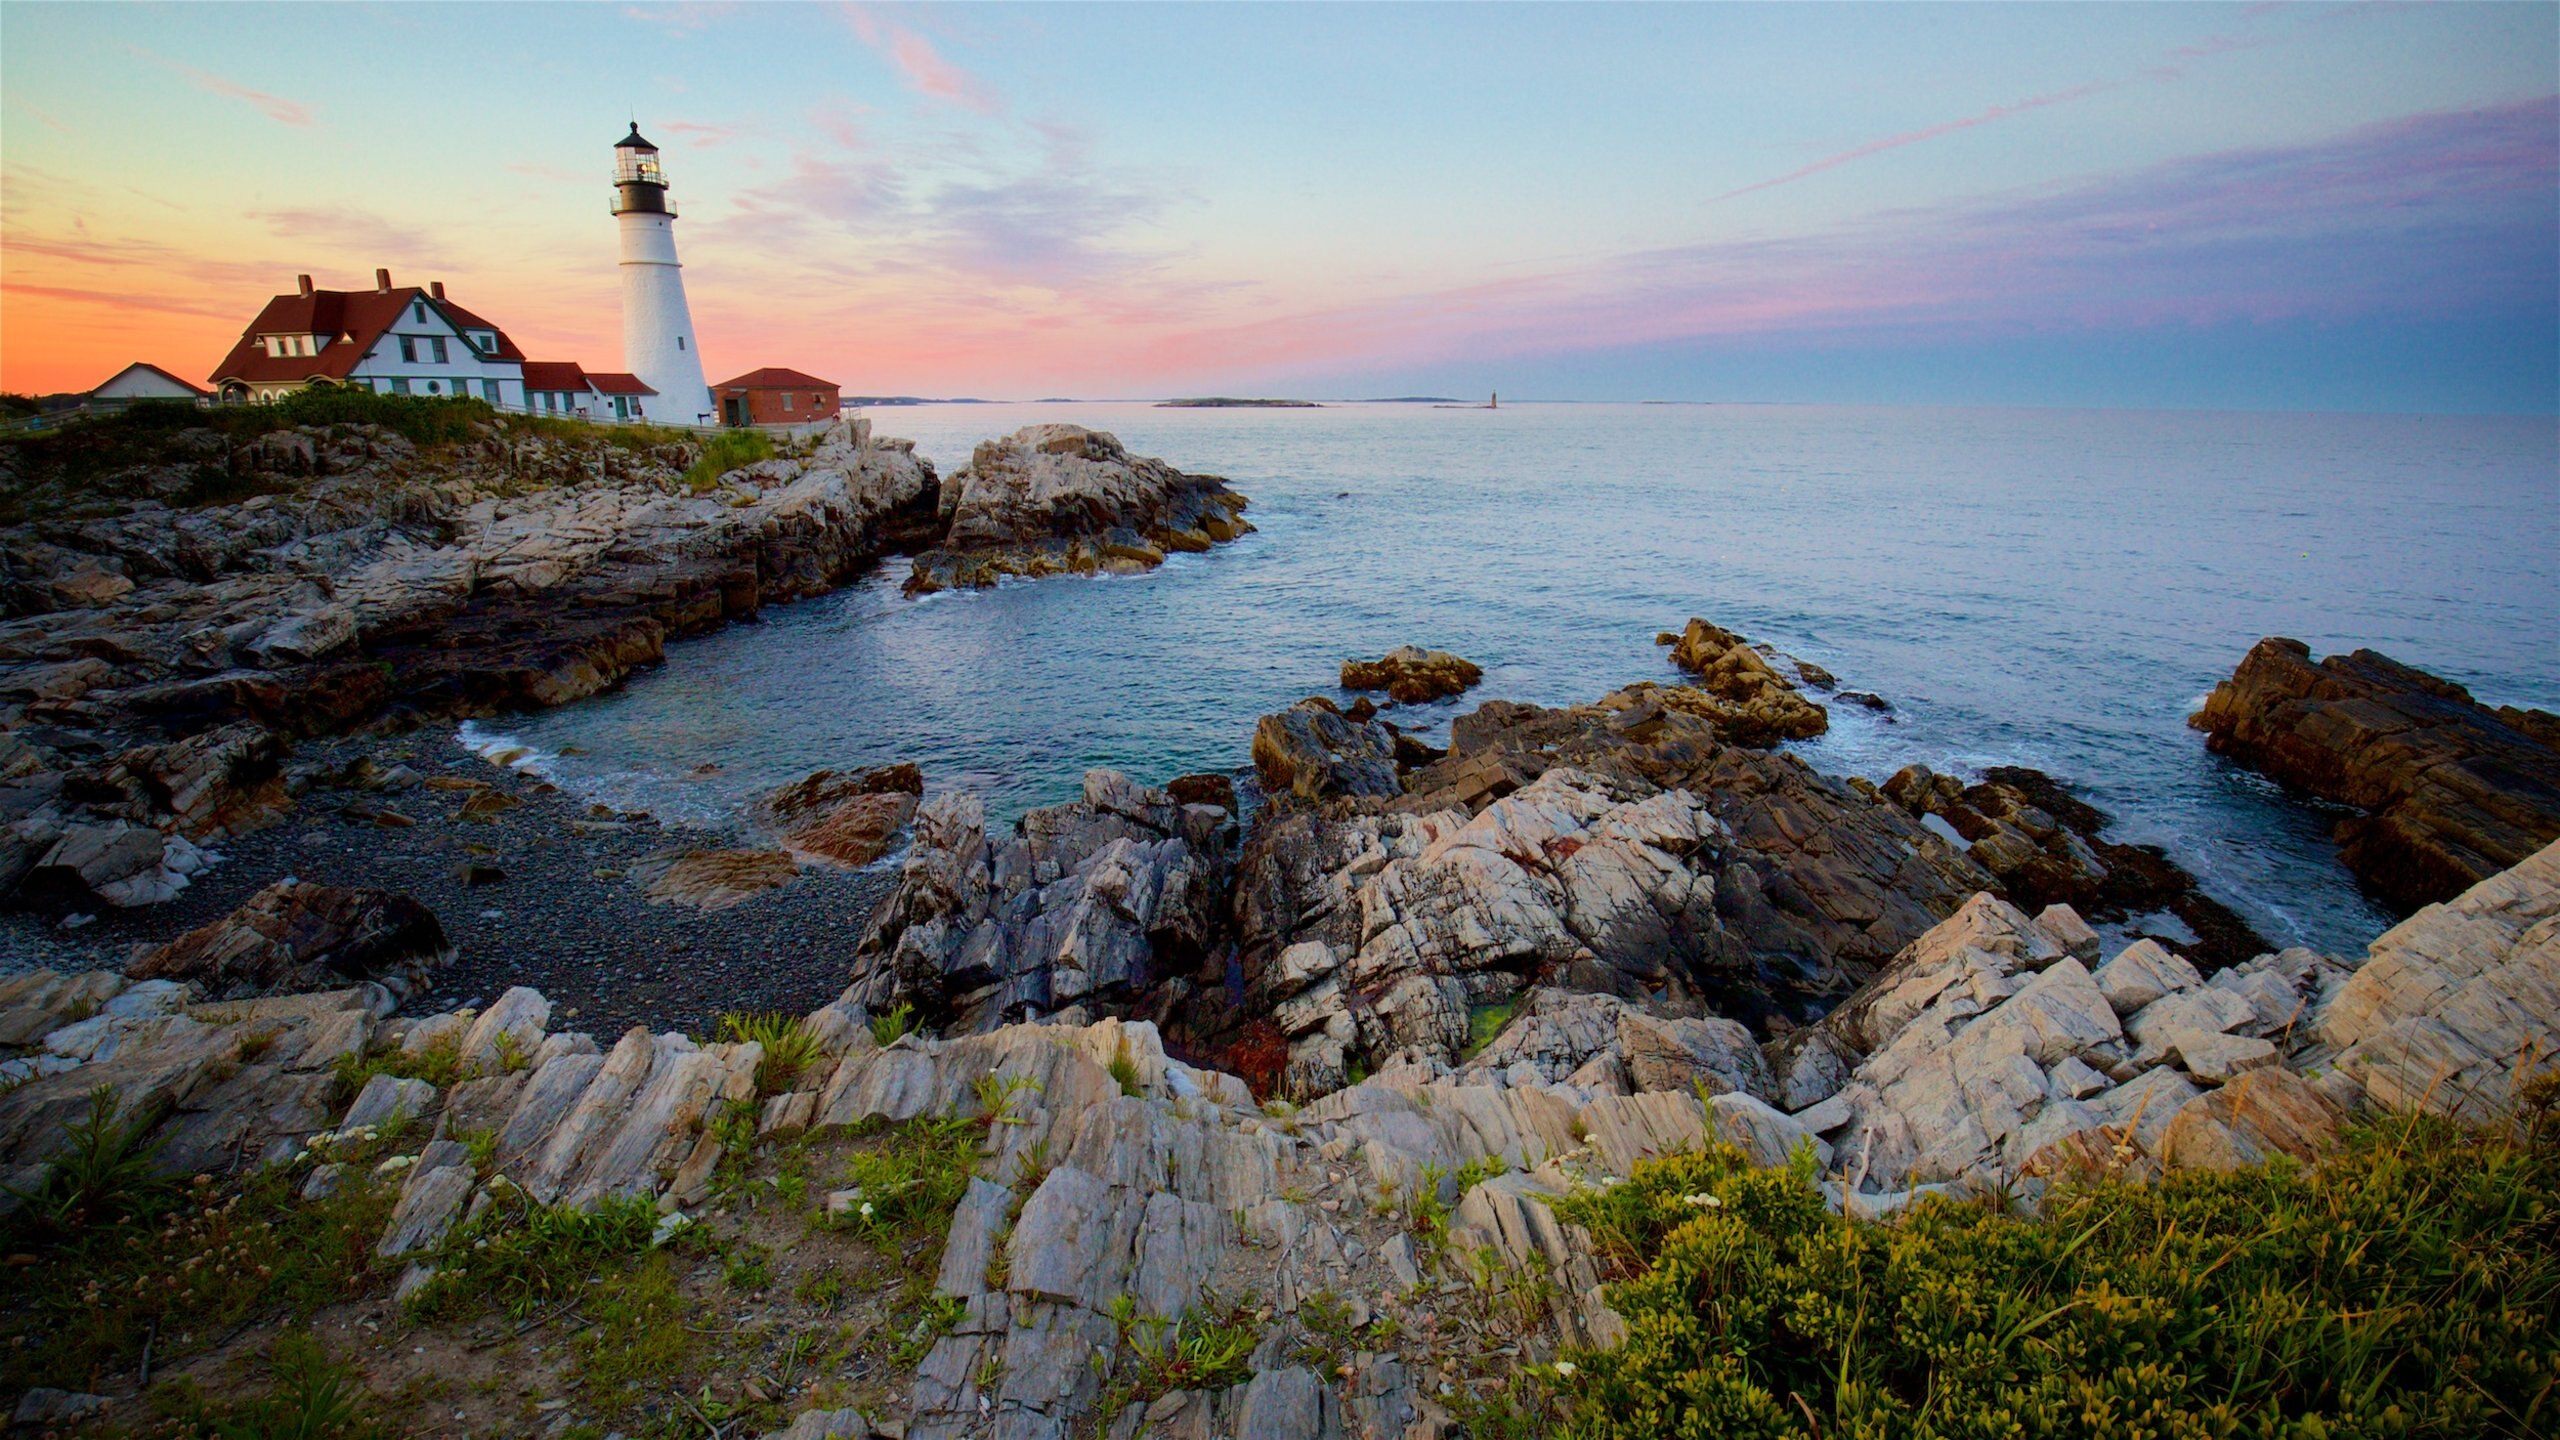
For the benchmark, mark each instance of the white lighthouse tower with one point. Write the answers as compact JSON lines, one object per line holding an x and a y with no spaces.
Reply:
{"x":658,"y":343}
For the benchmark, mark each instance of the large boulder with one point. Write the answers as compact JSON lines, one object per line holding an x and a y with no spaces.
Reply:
{"x":1314,"y":751}
{"x":842,"y":820}
{"x":1062,"y":499}
{"x":1411,"y":675}
{"x":295,"y":936}
{"x":2452,"y":791}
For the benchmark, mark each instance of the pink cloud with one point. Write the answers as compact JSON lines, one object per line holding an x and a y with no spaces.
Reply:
{"x":921,"y":64}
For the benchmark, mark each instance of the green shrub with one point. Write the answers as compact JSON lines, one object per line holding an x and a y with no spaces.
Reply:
{"x":891,"y":1025}
{"x":723,"y":452}
{"x":912,"y":1179}
{"x":789,"y":1047}
{"x":521,"y":1255}
{"x":186,"y":1271}
{"x":2406,"y":1287}
{"x":439,"y":1064}
{"x":104,"y":1174}
{"x":1485,"y":1022}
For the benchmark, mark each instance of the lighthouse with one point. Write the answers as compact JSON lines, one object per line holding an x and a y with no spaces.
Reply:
{"x":658,"y":343}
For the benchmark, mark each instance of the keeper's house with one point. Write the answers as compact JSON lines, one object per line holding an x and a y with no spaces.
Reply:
{"x":775,"y":396}
{"x":395,"y":340}
{"x":564,"y":387}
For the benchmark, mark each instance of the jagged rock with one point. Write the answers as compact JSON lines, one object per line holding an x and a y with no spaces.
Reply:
{"x":1061,"y":499}
{"x":2143,"y":972}
{"x":117,"y":863}
{"x":2455,"y":1005}
{"x":1749,"y":701}
{"x":2047,"y":848}
{"x":296,"y":935}
{"x":2258,"y":1116}
{"x":1411,"y":675}
{"x":1090,"y":901}
{"x":1313,"y":751}
{"x":2453,"y":792}
{"x":843,"y":820}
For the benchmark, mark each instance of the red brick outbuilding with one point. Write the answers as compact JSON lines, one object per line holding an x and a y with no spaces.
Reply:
{"x":775,"y":396}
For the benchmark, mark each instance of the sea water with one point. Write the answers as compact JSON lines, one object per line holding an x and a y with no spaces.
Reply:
{"x":2034,"y":587}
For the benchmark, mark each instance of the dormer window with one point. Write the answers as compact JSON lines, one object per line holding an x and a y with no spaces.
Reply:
{"x":419,"y":308}
{"x":282,"y":346}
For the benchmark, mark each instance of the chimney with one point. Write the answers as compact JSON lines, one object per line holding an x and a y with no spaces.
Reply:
{"x":436,"y":288}
{"x":303,"y":284}
{"x":382,"y":281}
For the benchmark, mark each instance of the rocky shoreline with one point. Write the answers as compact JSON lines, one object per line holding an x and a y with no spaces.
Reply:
{"x":1305,"y":1067}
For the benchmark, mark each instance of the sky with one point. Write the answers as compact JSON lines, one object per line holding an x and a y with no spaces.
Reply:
{"x":2266,"y":206}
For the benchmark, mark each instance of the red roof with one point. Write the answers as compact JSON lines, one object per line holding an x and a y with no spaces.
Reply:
{"x":774,"y":377}
{"x":612,"y":383}
{"x":465,"y":320}
{"x":352,"y":319}
{"x":190,"y":385}
{"x":554,"y":375}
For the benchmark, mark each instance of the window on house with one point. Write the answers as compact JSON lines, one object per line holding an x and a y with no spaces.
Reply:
{"x":679,"y":342}
{"x":489,"y":391}
{"x":399,"y":385}
{"x":786,"y":402}
{"x":435,"y":347}
{"x":420,"y":310}
{"x":409,"y":349}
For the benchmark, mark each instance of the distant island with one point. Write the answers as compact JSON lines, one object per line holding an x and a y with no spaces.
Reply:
{"x":1413,"y":400}
{"x":852,"y":400}
{"x":1229,"y":402}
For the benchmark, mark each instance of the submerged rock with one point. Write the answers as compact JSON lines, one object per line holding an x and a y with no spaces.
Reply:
{"x":2453,"y":791}
{"x":1412,"y":675}
{"x":1749,"y":701}
{"x":1064,"y":500}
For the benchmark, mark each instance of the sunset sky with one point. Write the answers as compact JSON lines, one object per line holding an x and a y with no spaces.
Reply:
{"x":2263,"y":206}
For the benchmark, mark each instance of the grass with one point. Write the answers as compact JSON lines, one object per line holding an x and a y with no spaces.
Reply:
{"x":522,"y":1256}
{"x":1124,"y":1068}
{"x":789,"y":1047}
{"x":912,"y":1180}
{"x":892,"y":1025}
{"x":1208,"y":1347}
{"x":105,"y":1173}
{"x":309,"y":1397}
{"x":181,"y":1269}
{"x":723,"y":452}
{"x":439,"y":1064}
{"x":1485,"y":1022}
{"x":2408,"y":1287}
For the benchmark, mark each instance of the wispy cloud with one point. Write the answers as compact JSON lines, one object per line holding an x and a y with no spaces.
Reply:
{"x":921,"y":64}
{"x":276,"y":107}
{"x":2171,"y":68}
{"x":2425,"y":216}
{"x":1930,"y":132}
{"x":358,"y":232}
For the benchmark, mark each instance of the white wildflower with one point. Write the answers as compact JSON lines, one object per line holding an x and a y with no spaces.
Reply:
{"x":866,"y":1209}
{"x":1565,"y":1369}
{"x":395,"y":1164}
{"x":1702,"y":1201}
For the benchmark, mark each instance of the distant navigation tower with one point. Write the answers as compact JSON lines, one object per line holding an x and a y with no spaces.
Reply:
{"x":658,"y":343}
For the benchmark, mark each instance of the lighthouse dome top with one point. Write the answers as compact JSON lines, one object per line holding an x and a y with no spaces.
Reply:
{"x":635,"y":141}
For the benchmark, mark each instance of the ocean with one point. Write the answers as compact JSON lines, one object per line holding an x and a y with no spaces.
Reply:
{"x":2049,"y":588}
